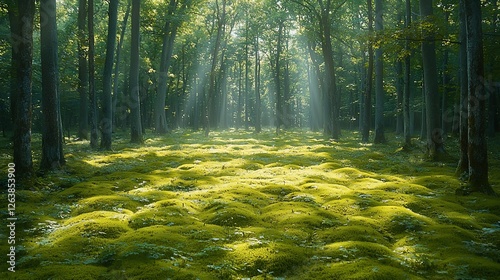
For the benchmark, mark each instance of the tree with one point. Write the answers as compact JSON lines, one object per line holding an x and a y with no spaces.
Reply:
{"x":434,"y":132}
{"x":379,"y":78}
{"x":22,"y":40}
{"x":172,"y":24}
{"x":322,"y":14}
{"x":135,"y":105}
{"x":83,"y":71}
{"x":277,"y":77}
{"x":52,"y":149}
{"x":221,"y":22}
{"x":369,"y":79}
{"x":117,"y":63}
{"x":463,"y":162}
{"x":407,"y":81}
{"x":477,"y":145}
{"x":107,"y":98}
{"x":258,"y":127}
{"x":94,"y":138}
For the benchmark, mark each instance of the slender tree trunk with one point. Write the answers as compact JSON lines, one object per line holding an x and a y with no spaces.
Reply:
{"x":170,"y":32}
{"x":258,"y":113}
{"x":434,"y":132}
{"x":117,"y":67}
{"x":399,"y":91}
{"x":399,"y":80}
{"x":135,"y":105}
{"x":23,"y":41}
{"x":477,"y":146}
{"x":463,"y":162}
{"x":277,"y":79}
{"x":52,"y":128}
{"x":239,"y":108}
{"x":369,"y":78}
{"x":247,"y":78}
{"x":15,"y":36}
{"x":107,"y":98}
{"x":446,"y":78}
{"x":92,"y":94}
{"x":83,"y":72}
{"x":212,"y":86}
{"x":407,"y":81}
{"x":379,"y":79}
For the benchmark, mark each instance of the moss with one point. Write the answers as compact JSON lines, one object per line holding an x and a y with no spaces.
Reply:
{"x":233,"y":214}
{"x":273,"y":258}
{"x":360,"y":269}
{"x":116,"y":203}
{"x":239,"y":205}
{"x":61,"y":272}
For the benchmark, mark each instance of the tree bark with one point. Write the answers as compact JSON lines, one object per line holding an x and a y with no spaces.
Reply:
{"x":379,"y":79}
{"x":258,"y":113}
{"x":277,"y":78}
{"x":52,"y":127}
{"x":434,"y":132}
{"x":332,"y":123}
{"x":107,"y":98}
{"x":212,"y":86}
{"x":83,"y":72}
{"x":463,"y":162}
{"x":369,"y":79}
{"x":135,"y":104}
{"x":477,"y":96}
{"x":169,"y":34}
{"x":407,"y":81}
{"x":94,"y":137}
{"x":117,"y":67}
{"x":22,"y":38}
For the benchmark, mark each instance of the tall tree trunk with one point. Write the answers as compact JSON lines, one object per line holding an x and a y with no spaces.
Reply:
{"x":277,"y":78}
{"x":434,"y":132}
{"x":107,"y":98}
{"x":407,"y":81}
{"x":399,"y":79}
{"x":258,"y":113}
{"x":135,"y":104}
{"x":445,"y":87}
{"x":463,"y":162}
{"x":22,"y":38}
{"x":379,"y":78}
{"x":369,"y":79}
{"x":15,"y":36}
{"x":247,"y":79}
{"x":477,"y":146}
{"x":212,"y":86}
{"x":169,"y":34}
{"x":92,"y":94}
{"x":52,"y":127}
{"x":83,"y":72}
{"x":332,"y":123}
{"x":117,"y":67}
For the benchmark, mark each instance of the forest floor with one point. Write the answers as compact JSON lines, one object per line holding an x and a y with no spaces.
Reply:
{"x":238,"y":205}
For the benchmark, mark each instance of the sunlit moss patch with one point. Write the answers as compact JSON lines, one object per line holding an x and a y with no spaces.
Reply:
{"x":240,"y":205}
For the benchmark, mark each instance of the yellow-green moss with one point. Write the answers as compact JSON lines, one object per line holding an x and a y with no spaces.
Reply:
{"x":240,"y":205}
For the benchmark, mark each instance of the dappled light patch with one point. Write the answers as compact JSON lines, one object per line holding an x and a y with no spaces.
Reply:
{"x":116,"y":203}
{"x":240,"y":205}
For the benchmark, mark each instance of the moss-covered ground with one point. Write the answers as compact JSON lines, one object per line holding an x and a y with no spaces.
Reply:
{"x":243,"y":206}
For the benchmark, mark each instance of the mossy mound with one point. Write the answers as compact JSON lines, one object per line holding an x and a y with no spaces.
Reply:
{"x":239,"y":205}
{"x":233,"y":214}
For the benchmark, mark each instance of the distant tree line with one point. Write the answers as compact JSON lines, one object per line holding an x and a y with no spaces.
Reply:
{"x":85,"y":68}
